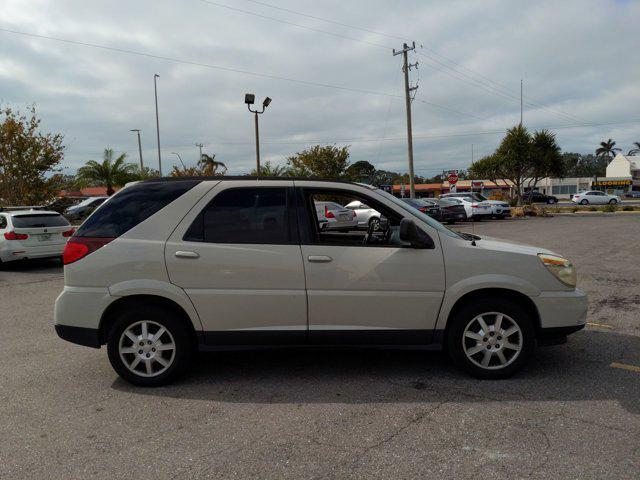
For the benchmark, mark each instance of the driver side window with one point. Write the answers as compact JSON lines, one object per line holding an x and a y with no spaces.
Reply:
{"x":334,"y":220}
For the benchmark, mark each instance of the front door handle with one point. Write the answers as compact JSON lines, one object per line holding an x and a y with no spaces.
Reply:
{"x":320,"y":258}
{"x":183,"y":254}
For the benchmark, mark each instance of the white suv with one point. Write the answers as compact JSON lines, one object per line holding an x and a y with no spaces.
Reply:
{"x":166,"y":267}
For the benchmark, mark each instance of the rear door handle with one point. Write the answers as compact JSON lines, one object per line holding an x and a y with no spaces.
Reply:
{"x":183,"y":254}
{"x":320,"y":258}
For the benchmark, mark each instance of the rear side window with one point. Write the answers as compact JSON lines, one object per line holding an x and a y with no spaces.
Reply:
{"x":131,"y":206}
{"x":36,"y":221}
{"x":244,"y":215}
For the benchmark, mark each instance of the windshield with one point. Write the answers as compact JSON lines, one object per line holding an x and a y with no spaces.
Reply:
{"x":422,"y":216}
{"x":480,"y":197}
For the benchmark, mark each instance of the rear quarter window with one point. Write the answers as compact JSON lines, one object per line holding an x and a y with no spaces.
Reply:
{"x":131,"y":206}
{"x":39,"y":221}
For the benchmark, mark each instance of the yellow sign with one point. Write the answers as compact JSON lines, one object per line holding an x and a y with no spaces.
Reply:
{"x":612,"y":183}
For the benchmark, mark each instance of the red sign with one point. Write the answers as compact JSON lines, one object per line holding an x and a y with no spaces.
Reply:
{"x":453,"y":178}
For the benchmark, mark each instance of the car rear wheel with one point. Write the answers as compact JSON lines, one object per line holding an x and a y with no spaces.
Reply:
{"x":613,"y":201}
{"x":584,"y":202}
{"x":492,"y":338}
{"x":148,"y":346}
{"x":551,"y":201}
{"x":374,"y":224}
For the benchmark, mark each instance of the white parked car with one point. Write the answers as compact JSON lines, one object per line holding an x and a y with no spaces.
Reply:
{"x":32,"y":234}
{"x":594,"y":197}
{"x":165,"y":268}
{"x":476,"y":209}
{"x":333,"y":216}
{"x":365,"y":215}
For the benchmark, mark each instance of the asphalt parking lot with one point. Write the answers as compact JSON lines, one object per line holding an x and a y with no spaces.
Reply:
{"x":333,"y":413}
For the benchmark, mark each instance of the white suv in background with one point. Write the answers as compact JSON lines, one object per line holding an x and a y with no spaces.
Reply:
{"x":28,"y":234}
{"x":166,"y":267}
{"x":475,"y":208}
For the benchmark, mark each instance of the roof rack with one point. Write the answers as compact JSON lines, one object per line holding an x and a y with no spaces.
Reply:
{"x":22,"y":207}
{"x":243,"y":177}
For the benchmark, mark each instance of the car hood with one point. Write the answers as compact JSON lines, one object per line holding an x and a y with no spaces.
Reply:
{"x":491,"y":243}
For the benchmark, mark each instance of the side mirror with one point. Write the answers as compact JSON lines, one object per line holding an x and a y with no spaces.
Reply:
{"x":411,"y":234}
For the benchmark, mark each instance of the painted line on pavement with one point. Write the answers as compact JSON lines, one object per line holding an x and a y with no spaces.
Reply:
{"x":624,"y":366}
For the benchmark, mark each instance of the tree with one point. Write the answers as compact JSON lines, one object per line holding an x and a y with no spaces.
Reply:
{"x":27,"y":158}
{"x":579,"y":165}
{"x":110,"y":172}
{"x":607,"y":149}
{"x":546,"y":160}
{"x":635,"y":149}
{"x":488,"y":167}
{"x":514,"y":155}
{"x":327,"y":161}
{"x":361,"y":171}
{"x":268,"y":169}
{"x":209,"y":165}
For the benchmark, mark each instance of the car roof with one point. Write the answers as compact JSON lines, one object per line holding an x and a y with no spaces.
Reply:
{"x":224,"y":178}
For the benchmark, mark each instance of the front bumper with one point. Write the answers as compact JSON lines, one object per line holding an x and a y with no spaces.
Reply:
{"x":562,"y":310}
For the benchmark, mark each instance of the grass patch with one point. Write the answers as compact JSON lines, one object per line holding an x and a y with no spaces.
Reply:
{"x":610,"y":208}
{"x":628,"y":208}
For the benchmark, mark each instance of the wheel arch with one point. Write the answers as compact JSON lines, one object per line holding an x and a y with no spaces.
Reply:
{"x":503,"y":293}
{"x":124,"y":303}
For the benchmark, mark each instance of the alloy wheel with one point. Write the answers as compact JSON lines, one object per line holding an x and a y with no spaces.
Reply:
{"x":147,"y":348}
{"x":492,"y":340}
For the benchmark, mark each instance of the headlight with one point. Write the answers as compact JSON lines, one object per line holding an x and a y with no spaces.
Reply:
{"x":561,"y":268}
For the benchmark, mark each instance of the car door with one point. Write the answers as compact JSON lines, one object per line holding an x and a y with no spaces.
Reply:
{"x":375,"y":293}
{"x":237,"y":256}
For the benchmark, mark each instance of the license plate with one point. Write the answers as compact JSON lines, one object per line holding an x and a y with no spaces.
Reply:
{"x":344,"y":216}
{"x":44,"y":237}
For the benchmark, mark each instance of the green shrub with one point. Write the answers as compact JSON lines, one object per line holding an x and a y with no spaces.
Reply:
{"x":610,"y":208}
{"x":574,"y":209}
{"x":628,"y":208}
{"x":592,"y":209}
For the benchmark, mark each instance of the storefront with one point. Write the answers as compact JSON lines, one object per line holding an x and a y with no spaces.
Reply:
{"x":613,"y":186}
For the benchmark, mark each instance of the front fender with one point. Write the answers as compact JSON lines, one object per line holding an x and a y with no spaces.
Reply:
{"x":159,"y":289}
{"x":470,"y":284}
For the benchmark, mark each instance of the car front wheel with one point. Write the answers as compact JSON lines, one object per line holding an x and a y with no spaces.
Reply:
{"x":149,"y":346}
{"x":584,"y":202}
{"x":491,"y":338}
{"x":613,"y":201}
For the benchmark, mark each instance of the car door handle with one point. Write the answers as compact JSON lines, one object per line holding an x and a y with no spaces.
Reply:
{"x":320,"y":258}
{"x":183,"y":254}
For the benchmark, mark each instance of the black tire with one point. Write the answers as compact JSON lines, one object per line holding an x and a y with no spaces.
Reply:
{"x":176,"y":327}
{"x":551,"y":201}
{"x":613,"y":201}
{"x":455,"y":337}
{"x":374,"y":221}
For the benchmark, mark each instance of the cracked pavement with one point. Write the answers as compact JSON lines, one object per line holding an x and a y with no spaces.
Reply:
{"x":318,"y":413}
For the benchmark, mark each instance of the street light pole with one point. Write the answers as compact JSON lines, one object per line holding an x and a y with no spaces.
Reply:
{"x":155,"y":88}
{"x":137,"y":130}
{"x":249,"y":99}
{"x":179,"y":158}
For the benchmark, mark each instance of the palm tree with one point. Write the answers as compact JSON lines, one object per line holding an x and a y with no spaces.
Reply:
{"x":607,"y":149}
{"x":110,"y":172}
{"x":209,"y":165}
{"x":269,"y":169}
{"x":635,"y":149}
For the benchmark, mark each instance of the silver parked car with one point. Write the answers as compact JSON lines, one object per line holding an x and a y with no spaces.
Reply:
{"x":165,"y":268}
{"x":595,"y":197}
{"x":32,"y":234}
{"x":366,"y":216}
{"x":333,"y":216}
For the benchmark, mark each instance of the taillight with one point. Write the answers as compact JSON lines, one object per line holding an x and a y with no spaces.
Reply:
{"x":68,"y":233}
{"x":15,"y":236}
{"x":423,"y":209}
{"x":79,"y":247}
{"x":353,"y":214}
{"x":328,"y":213}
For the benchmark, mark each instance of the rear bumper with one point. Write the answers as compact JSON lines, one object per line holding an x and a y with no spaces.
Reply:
{"x":88,"y":337}
{"x":19,"y":251}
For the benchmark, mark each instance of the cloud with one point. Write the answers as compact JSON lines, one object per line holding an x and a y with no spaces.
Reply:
{"x":577,"y":59}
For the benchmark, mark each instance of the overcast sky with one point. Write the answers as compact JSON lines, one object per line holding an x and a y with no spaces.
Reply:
{"x":578,"y":59}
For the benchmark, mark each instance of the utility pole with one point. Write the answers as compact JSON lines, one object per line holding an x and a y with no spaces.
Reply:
{"x":407,"y":92}
{"x":155,"y":89}
{"x":137,"y":130}
{"x":521,"y":103}
{"x":199,"y":145}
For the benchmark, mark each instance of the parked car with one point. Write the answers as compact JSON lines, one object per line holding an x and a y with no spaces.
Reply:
{"x":476,"y":208}
{"x":28,"y":234}
{"x":165,"y":268}
{"x":633,"y":194}
{"x":425,"y":206}
{"x":365,"y":215}
{"x":538,"y":197}
{"x":333,"y":216}
{"x":595,"y":197}
{"x":82,"y":210}
{"x":452,"y":210}
{"x":499,"y":208}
